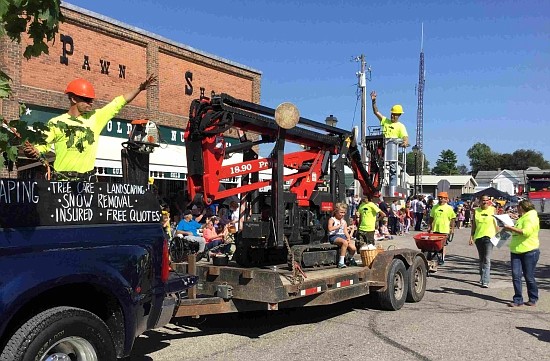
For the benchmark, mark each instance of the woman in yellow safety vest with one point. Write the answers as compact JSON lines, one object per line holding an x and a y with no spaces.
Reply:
{"x":525,"y":253}
{"x":484,"y":228}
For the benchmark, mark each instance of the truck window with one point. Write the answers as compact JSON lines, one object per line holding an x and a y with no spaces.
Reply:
{"x":538,"y":185}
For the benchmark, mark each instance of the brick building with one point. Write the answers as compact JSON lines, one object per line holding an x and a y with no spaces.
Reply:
{"x":115,"y":58}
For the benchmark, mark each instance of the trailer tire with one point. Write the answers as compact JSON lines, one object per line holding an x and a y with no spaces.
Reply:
{"x":66,"y":331}
{"x":417,"y":280}
{"x":395,"y":294}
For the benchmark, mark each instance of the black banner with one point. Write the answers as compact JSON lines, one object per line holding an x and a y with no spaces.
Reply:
{"x":30,"y":203}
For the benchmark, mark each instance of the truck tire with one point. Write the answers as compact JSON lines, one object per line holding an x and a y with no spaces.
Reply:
{"x":417,"y":280}
{"x":62,"y":331}
{"x":395,"y":294}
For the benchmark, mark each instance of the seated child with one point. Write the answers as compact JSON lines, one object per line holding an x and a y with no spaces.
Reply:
{"x":340,"y":235}
{"x":378,"y":236}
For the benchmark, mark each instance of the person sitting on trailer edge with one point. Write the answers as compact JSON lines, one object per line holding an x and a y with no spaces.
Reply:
{"x":442,"y":221}
{"x":339,"y":234}
{"x":214,"y":239}
{"x":189,"y":229}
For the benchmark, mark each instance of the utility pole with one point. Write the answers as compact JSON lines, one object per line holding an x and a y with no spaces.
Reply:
{"x":363,"y":87}
{"x":362,"y":84}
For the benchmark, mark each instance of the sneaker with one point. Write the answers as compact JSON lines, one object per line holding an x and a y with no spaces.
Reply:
{"x":342,"y":265}
{"x":352,"y":262}
{"x":513,"y":304}
{"x":531,"y":304}
{"x":485,"y":285}
{"x":441,"y":262}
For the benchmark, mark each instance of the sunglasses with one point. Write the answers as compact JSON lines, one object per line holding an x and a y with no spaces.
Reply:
{"x":84,"y":99}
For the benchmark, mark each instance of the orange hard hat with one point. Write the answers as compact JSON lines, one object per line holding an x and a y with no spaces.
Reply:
{"x":81,"y":87}
{"x":443,"y":195}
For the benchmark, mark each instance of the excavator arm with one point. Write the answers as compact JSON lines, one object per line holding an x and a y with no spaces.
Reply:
{"x":206,"y":150}
{"x":288,"y":221}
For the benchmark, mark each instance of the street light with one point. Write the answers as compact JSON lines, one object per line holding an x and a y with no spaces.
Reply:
{"x":415,"y":151}
{"x":331,"y":120}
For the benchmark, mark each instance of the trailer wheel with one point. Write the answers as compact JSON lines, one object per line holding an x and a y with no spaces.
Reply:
{"x":61,"y":333}
{"x":417,"y":280}
{"x":395,"y":294}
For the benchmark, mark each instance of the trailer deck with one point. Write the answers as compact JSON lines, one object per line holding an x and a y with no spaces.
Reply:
{"x":231,"y":288}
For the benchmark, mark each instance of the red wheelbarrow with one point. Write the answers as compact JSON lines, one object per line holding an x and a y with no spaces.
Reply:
{"x":431,"y":244}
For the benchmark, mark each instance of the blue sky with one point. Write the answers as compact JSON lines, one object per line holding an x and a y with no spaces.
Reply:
{"x":487,"y":62}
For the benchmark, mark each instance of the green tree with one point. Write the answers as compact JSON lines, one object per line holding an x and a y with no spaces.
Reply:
{"x":523,"y":159}
{"x":446,"y":164}
{"x":410,"y":164}
{"x":482,"y":158}
{"x":39,"y":20}
{"x":462,"y":169}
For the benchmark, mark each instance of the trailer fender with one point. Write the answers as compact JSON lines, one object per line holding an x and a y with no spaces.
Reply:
{"x":382,"y":263}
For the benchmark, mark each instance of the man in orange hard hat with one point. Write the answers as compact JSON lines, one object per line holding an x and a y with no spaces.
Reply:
{"x":72,"y":163}
{"x":442,"y":221}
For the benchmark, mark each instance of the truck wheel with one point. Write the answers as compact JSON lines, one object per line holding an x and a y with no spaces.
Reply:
{"x":417,"y":280}
{"x":61,"y":333}
{"x":393,"y":298}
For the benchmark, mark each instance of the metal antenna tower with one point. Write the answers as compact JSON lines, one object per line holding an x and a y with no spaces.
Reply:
{"x":420,"y":113}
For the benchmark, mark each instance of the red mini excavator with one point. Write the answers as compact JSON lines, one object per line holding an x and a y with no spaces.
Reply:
{"x":287,"y":223}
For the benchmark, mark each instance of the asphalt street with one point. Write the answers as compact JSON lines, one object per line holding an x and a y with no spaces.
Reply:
{"x":456,"y":320}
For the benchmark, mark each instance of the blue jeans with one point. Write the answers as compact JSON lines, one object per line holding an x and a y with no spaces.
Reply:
{"x":484,"y":249}
{"x":216,"y":243}
{"x":524,"y":264}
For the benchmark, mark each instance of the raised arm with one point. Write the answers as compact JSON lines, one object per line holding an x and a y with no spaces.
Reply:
{"x":150,"y":81}
{"x":374,"y":106}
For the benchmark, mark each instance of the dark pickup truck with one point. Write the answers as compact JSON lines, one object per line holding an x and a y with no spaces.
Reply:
{"x":84,"y":270}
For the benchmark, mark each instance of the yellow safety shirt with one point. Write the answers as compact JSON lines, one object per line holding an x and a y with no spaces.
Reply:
{"x":71,"y":159}
{"x":442,"y":216}
{"x":393,"y":130}
{"x":368,"y":212}
{"x":485,"y":222}
{"x":529,"y":240}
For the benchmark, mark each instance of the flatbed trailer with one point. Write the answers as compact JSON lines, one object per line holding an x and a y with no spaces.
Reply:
{"x":394,"y":277}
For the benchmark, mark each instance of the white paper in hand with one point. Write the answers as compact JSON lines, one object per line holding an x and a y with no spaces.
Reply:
{"x":504,"y":219}
{"x":501,"y":238}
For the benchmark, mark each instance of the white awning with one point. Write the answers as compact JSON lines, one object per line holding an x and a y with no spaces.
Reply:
{"x":166,"y":161}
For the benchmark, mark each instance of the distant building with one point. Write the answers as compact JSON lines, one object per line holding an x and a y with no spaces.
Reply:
{"x":458,"y":184}
{"x":115,"y":57}
{"x":510,"y":181}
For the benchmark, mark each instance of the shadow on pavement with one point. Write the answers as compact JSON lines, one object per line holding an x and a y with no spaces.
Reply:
{"x":461,"y":265}
{"x":248,"y":324}
{"x":470,"y":293}
{"x":542,"y":335}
